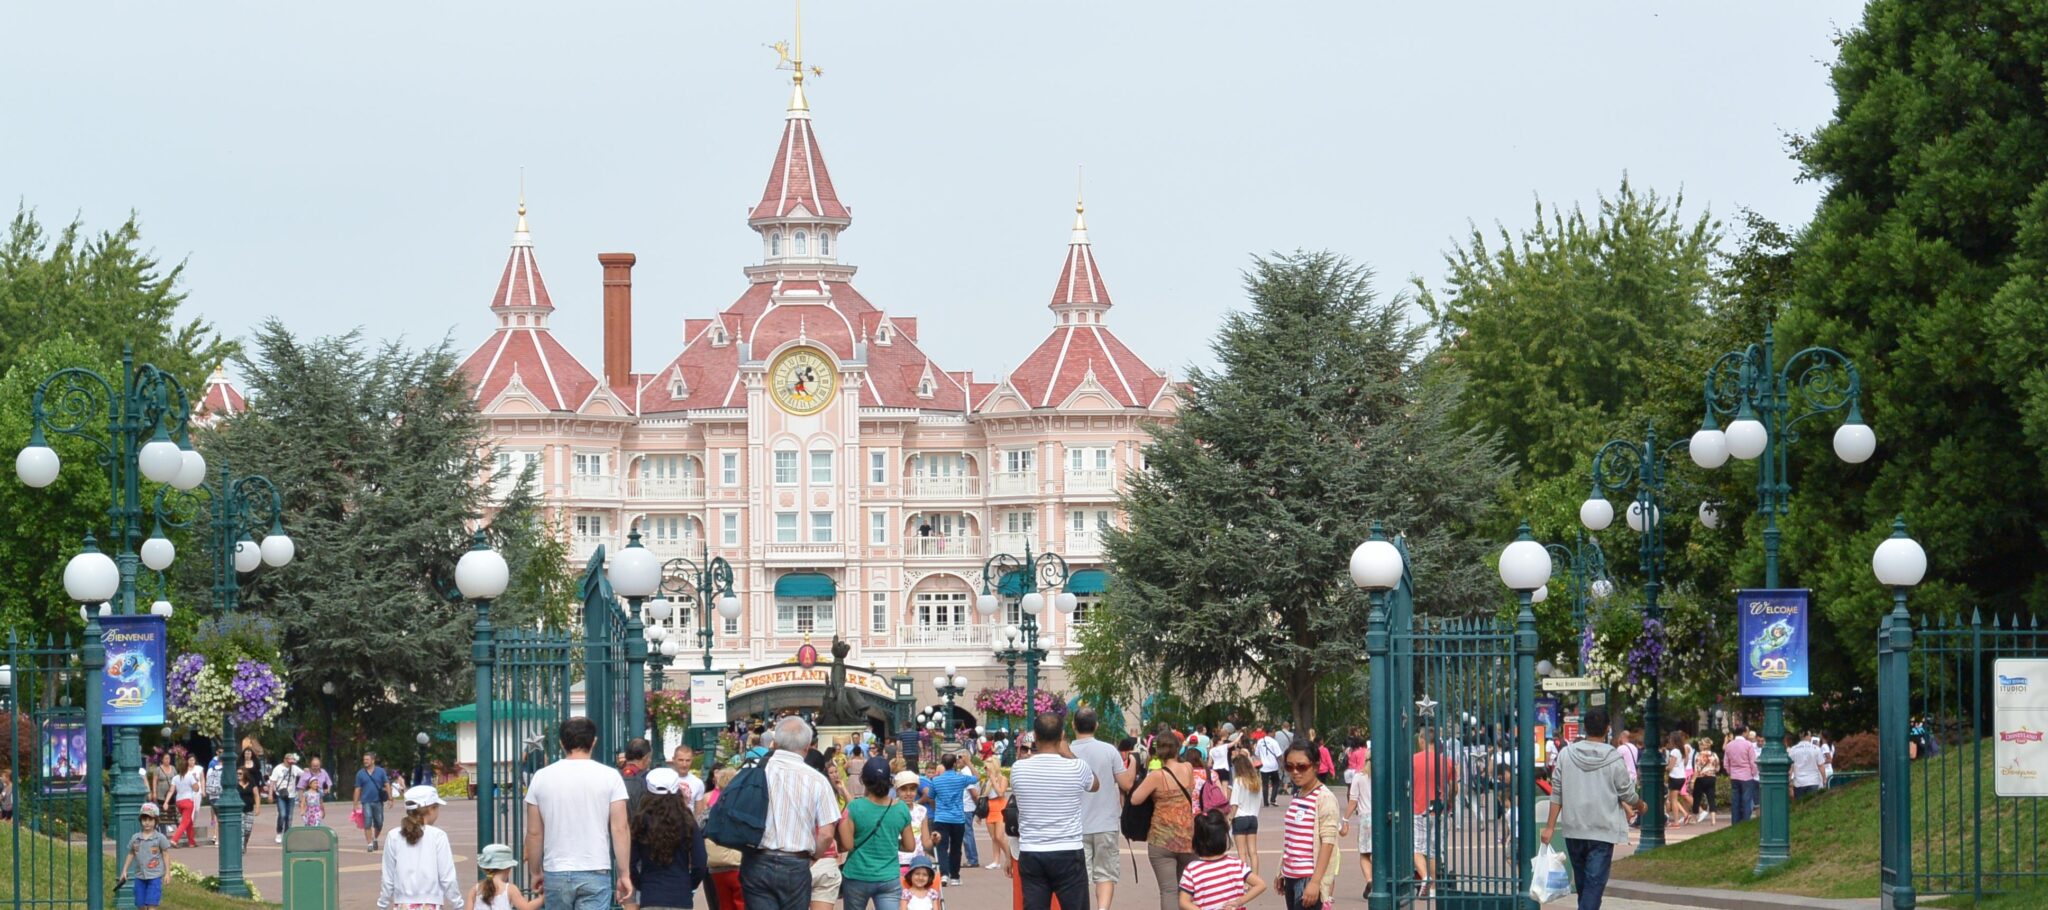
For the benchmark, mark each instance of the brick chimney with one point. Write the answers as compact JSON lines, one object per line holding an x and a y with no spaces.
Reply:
{"x":618,"y":316}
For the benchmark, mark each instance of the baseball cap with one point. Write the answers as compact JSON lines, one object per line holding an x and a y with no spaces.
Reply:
{"x":496,"y":856}
{"x":423,"y":796}
{"x":149,"y":809}
{"x":874,"y":771}
{"x":663,"y":781}
{"x":905,"y":778}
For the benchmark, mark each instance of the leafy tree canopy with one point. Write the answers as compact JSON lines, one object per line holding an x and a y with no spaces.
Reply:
{"x":1320,"y":419}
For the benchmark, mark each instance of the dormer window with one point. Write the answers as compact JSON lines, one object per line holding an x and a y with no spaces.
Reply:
{"x":774,"y":243}
{"x":718,"y":335}
{"x":803,"y":244}
{"x":924,"y":387}
{"x":677,"y":388}
{"x":882,"y":334}
{"x":824,"y":243}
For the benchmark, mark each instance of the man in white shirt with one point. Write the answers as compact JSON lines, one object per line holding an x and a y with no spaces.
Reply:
{"x":683,"y":760}
{"x":1268,"y":750}
{"x":573,"y":808}
{"x":1807,"y":776}
{"x":285,"y":782}
{"x":1048,"y":789}
{"x":1101,"y":808}
{"x":802,"y":812}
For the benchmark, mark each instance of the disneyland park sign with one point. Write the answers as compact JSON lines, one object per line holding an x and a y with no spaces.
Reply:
{"x":786,"y":675}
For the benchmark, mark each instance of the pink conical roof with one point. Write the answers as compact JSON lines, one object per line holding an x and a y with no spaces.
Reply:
{"x":522,"y":350}
{"x":1080,"y":282}
{"x":799,"y":176}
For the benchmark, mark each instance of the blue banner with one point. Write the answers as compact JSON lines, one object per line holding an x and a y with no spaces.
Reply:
{"x":1772,"y":641}
{"x":132,"y":688}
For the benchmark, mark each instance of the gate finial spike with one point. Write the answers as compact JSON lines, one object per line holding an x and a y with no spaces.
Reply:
{"x":1976,"y":617}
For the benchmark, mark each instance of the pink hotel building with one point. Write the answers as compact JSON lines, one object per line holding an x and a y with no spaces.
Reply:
{"x":802,"y":434}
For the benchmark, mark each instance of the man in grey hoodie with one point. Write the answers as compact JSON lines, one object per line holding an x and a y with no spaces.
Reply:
{"x":1594,"y":796}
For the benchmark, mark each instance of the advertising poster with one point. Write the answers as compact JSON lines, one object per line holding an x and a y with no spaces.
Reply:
{"x":132,"y":688}
{"x":2019,"y":720}
{"x":1771,"y":641}
{"x":707,"y":698}
{"x":63,"y":754}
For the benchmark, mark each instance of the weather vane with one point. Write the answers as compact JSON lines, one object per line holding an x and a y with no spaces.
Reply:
{"x":792,"y":58}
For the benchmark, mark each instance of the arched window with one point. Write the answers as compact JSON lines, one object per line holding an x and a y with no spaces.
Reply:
{"x":775,"y":243}
{"x":824,"y":243}
{"x":802,"y":244}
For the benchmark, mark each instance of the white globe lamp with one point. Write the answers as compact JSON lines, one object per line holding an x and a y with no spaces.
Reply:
{"x":1636,"y":511}
{"x":247,"y":556}
{"x":1854,"y":441}
{"x":191,"y":470}
{"x":1596,"y":513}
{"x":729,"y":607}
{"x":1710,"y":517}
{"x":277,"y":548}
{"x":158,"y":552}
{"x":1747,"y":437}
{"x":986,"y":605}
{"x":1709,"y":447}
{"x":160,"y":458}
{"x":1032,"y":603}
{"x":1525,"y":564}
{"x":1376,"y":564}
{"x":1066,"y":603}
{"x":91,"y":576}
{"x":481,"y":574}
{"x":634,"y":571}
{"x":162,"y":608}
{"x":1899,"y":562}
{"x":37,"y":464}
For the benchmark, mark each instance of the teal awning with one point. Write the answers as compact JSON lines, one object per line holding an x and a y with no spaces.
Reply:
{"x":502,"y":709}
{"x":805,"y":584}
{"x":1087,"y":581}
{"x":1012,"y":584}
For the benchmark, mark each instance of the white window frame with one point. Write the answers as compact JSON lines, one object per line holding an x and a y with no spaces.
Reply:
{"x":805,"y":616}
{"x":878,"y":613}
{"x":878,"y":466}
{"x":941,"y":610}
{"x":729,"y":468}
{"x":821,"y":468}
{"x":785,"y":471}
{"x":821,"y":527}
{"x":732,"y":624}
{"x":730,"y":528}
{"x":786,"y":530}
{"x":1020,"y":461}
{"x":878,"y":527}
{"x":1027,"y":518}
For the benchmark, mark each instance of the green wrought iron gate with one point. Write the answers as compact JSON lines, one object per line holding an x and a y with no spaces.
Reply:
{"x":526,"y":687}
{"x":1453,"y":761}
{"x":53,"y":761}
{"x":1945,"y":830}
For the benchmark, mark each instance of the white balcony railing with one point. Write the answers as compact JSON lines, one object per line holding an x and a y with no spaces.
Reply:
{"x":582,"y":547}
{"x":959,"y":545}
{"x":597,"y":485}
{"x":963,"y":635}
{"x":1014,"y":483}
{"x":1012,"y":544}
{"x":672,"y":547}
{"x":667,"y":488}
{"x":947,"y":487}
{"x":1103,"y":481}
{"x":1087,"y":542}
{"x":806,"y":553}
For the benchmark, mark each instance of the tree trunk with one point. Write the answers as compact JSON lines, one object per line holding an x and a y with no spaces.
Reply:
{"x":1301,"y":696}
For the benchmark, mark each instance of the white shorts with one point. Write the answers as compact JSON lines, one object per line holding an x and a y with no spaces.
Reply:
{"x":1425,"y":836}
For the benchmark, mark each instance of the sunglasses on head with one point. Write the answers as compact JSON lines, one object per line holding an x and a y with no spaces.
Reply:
{"x":1298,"y":766}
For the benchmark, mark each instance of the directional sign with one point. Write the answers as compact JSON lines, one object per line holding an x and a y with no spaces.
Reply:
{"x":1571,"y":684}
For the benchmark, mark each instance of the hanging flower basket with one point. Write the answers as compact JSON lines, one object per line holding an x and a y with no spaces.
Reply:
{"x":1010,"y":702}
{"x":205,"y":694}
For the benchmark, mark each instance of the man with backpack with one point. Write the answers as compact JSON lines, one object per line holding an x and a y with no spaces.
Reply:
{"x":795,"y":811}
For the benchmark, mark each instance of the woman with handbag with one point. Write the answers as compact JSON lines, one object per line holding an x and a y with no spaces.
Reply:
{"x":873,"y":833}
{"x":1706,"y":769}
{"x":1169,"y":846}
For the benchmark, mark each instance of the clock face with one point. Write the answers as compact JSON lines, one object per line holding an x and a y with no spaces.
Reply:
{"x":802,"y":381}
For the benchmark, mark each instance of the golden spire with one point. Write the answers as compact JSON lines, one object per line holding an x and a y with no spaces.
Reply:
{"x":522,"y":201}
{"x":1080,"y":223}
{"x":792,"y":59}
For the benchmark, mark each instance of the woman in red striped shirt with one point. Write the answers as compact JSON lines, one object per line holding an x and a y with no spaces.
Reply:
{"x":1308,"y":856}
{"x":1216,"y":880}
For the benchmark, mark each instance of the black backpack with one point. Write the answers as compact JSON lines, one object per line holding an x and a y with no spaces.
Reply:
{"x":1136,"y":818}
{"x":741,"y":814}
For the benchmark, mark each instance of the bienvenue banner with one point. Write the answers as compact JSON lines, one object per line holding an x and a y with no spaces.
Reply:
{"x":132,"y":688}
{"x":1772,"y":640}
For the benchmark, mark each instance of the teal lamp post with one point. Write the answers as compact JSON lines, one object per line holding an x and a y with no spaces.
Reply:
{"x":1525,"y":567}
{"x":240,"y":509}
{"x":949,"y":686}
{"x":143,"y":413}
{"x":1377,"y":566}
{"x":705,"y":582}
{"x":1638,"y":469}
{"x":1899,"y":564}
{"x":1023,"y":579}
{"x":1768,"y":403}
{"x":1582,"y":566}
{"x":481,"y":575}
{"x":1009,"y":648}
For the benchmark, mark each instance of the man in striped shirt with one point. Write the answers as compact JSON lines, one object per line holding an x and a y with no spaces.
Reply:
{"x":1047,"y":789}
{"x":802,"y":814}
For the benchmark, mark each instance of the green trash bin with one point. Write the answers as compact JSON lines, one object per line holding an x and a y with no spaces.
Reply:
{"x":312,"y":869}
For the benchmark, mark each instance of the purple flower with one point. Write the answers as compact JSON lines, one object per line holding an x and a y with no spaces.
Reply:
{"x":184,"y":680}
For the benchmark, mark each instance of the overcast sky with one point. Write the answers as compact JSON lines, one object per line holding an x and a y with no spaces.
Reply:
{"x":344,"y":165}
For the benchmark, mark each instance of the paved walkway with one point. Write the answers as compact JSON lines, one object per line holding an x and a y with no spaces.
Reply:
{"x":980,"y":889}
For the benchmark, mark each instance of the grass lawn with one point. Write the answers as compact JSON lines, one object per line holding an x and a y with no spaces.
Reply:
{"x":56,"y":871}
{"x":1836,"y":835}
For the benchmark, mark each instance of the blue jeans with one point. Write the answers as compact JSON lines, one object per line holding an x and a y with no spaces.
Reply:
{"x":967,"y":841}
{"x":860,"y":895}
{"x":1590,"y":861}
{"x":1742,"y":803}
{"x":774,"y":881}
{"x":578,"y":891}
{"x":284,"y":813}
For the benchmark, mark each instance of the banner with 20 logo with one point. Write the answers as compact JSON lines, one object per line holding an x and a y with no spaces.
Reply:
{"x":1771,"y":647}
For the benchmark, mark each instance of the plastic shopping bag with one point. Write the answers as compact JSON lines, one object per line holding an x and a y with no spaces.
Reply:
{"x":1550,"y":877}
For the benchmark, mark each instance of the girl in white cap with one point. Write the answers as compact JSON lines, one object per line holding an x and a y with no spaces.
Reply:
{"x":496,"y":891}
{"x":419,"y":868}
{"x":668,"y":846}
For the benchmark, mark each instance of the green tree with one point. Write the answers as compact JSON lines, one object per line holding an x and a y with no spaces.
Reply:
{"x":46,"y":526}
{"x":1321,"y":418}
{"x":1559,"y":330}
{"x":379,"y":456}
{"x":1923,"y":264}
{"x":103,"y":292}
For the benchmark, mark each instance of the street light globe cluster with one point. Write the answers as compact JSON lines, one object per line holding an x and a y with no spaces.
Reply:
{"x":161,"y":460}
